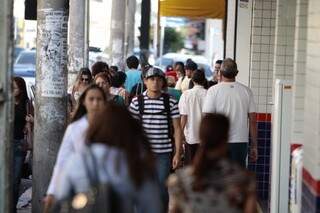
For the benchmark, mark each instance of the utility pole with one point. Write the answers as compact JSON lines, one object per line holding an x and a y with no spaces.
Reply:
{"x":78,"y":38}
{"x":157,"y":32}
{"x":145,"y":30}
{"x":51,"y":93}
{"x":130,"y":23}
{"x":6,"y":112}
{"x":117,"y":37}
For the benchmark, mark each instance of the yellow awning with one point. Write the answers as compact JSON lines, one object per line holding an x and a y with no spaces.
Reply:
{"x":193,"y":8}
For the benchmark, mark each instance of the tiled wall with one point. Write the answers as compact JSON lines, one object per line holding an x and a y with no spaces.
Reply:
{"x":300,"y":47}
{"x":284,"y":40}
{"x":262,"y":51}
{"x":311,"y":161}
{"x":261,"y":167}
{"x":261,"y":77}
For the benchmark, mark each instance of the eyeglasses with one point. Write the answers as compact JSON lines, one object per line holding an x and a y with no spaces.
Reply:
{"x":85,"y":79}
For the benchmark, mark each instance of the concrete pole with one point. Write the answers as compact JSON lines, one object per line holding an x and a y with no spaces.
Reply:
{"x":145,"y":30}
{"x":51,"y":97}
{"x":117,"y":37}
{"x":78,"y":39}
{"x":157,"y":33}
{"x":6,"y":112}
{"x":130,"y":23}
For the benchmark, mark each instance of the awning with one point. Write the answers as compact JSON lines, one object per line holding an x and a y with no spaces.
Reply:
{"x":193,"y":8}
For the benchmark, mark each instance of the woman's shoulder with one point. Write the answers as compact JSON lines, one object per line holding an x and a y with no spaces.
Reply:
{"x":81,"y":122}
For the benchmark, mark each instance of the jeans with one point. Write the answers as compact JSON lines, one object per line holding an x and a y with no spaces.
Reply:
{"x":238,"y":152}
{"x":18,"y":159}
{"x":163,"y":168}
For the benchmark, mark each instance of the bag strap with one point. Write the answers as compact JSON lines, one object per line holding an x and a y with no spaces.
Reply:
{"x":166,"y":102}
{"x":141,"y":104}
{"x":92,"y":175}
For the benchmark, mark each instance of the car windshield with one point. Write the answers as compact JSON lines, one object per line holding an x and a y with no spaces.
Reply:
{"x":164,"y":62}
{"x":27,"y":58}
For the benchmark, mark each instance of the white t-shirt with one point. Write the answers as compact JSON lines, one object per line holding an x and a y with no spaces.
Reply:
{"x":191,"y":104}
{"x":73,"y":141}
{"x":234,"y":100}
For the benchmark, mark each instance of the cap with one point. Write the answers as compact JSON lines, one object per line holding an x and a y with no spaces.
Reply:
{"x":153,"y":72}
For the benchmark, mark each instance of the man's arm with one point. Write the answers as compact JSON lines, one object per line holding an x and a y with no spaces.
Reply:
{"x":253,"y":134}
{"x":184,"y":119}
{"x":177,"y":141}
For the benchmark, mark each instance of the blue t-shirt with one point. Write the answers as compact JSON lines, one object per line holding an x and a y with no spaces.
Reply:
{"x":133,"y":77}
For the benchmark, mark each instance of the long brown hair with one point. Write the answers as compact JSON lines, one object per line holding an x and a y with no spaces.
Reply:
{"x":214,"y":131}
{"x":82,"y":71}
{"x":115,"y":126}
{"x":21,"y":84}
{"x":81,"y":109}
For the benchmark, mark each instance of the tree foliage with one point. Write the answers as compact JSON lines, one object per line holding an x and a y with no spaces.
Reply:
{"x":173,"y":40}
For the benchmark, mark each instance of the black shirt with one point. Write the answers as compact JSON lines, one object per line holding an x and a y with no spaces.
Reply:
{"x":20,"y":113}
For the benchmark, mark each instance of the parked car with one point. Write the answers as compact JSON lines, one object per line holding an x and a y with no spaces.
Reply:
{"x":25,"y":64}
{"x":16,"y":52}
{"x":171,"y":58}
{"x":25,"y":67}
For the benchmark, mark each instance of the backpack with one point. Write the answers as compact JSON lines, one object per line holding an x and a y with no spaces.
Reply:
{"x":101,"y":198}
{"x":167,"y":111}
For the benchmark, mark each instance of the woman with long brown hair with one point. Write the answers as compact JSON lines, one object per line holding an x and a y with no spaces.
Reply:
{"x":23,"y":114}
{"x":103,"y":80}
{"x":91,"y":101}
{"x":123,"y":159}
{"x":213,"y":183}
{"x":83,"y":80}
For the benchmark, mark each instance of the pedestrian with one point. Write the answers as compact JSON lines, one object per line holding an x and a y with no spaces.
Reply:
{"x":103,"y":80}
{"x":176,"y":94}
{"x":23,"y":122}
{"x":235,"y":100}
{"x":181,"y":74}
{"x":158,"y":112}
{"x":99,"y":67}
{"x":190,"y":67}
{"x":190,"y":107}
{"x":91,"y":101}
{"x":133,"y":74}
{"x":124,"y":161}
{"x":217,"y":67}
{"x":171,"y":72}
{"x":114,"y":69}
{"x":117,"y":86}
{"x":140,"y":87}
{"x":84,"y":78}
{"x":213,"y":183}
{"x":216,"y":74}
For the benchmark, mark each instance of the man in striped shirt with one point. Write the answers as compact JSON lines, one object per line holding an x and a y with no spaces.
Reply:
{"x":158,"y":112}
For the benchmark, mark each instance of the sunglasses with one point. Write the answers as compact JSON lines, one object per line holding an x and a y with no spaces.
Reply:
{"x":85,"y":79}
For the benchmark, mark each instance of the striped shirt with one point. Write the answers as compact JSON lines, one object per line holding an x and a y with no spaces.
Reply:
{"x":155,"y":121}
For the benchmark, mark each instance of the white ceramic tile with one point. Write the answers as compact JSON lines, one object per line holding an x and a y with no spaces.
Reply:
{"x":256,"y":48}
{"x":267,"y":5}
{"x":265,"y":48}
{"x":264,"y":57}
{"x":266,"y":31}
